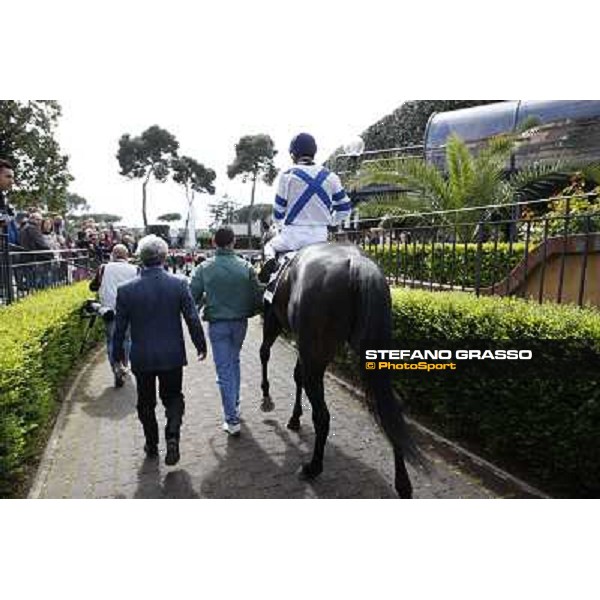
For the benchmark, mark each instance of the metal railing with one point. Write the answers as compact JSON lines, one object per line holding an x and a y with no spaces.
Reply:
{"x":24,"y":272}
{"x":507,"y":249}
{"x":346,"y":164}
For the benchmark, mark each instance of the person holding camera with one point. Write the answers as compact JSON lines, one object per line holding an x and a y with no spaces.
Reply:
{"x":106,"y":281}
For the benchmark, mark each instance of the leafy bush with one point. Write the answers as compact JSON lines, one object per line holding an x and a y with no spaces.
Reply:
{"x":546,"y":430}
{"x":579,"y":201}
{"x":443,"y":264}
{"x":580,"y":206}
{"x":40,"y":339}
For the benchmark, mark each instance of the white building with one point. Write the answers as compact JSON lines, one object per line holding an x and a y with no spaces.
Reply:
{"x":240,"y":229}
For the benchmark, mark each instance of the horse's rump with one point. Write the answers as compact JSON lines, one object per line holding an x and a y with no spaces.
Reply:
{"x":322,"y":301}
{"x":338,"y":294}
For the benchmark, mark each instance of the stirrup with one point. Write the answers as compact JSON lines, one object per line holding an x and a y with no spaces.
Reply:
{"x":281,"y":262}
{"x":271,"y":287}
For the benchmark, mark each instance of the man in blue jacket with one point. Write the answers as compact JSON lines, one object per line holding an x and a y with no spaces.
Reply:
{"x":152,"y":304}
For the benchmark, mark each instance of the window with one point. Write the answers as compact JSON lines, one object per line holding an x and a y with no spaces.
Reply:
{"x":548,"y":111}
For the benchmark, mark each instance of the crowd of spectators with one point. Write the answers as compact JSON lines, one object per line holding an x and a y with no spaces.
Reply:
{"x":47,"y":250}
{"x":181,"y":261}
{"x":99,"y":239}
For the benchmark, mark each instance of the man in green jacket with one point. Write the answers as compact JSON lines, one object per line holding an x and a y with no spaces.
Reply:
{"x":228,"y":288}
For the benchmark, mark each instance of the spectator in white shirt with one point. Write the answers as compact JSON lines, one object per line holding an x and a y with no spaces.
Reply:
{"x":107,"y":280}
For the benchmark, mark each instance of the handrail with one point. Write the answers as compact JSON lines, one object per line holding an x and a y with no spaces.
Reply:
{"x":475,"y":208}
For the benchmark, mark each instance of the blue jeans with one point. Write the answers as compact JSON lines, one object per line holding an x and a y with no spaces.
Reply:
{"x":110,"y":332}
{"x":226,"y":339}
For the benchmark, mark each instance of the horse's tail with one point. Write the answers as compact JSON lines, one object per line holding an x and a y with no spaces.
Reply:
{"x":374,"y":322}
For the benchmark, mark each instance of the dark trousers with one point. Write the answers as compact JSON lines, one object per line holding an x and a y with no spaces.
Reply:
{"x":169,"y":390}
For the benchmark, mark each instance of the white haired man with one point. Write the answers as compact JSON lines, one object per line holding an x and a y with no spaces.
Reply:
{"x":152,"y":305}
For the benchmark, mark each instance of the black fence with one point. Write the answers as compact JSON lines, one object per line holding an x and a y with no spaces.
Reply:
{"x":24,"y":272}
{"x":543,"y":249}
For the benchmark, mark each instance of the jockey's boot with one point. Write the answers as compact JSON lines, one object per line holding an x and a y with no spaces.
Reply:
{"x":268,"y":269}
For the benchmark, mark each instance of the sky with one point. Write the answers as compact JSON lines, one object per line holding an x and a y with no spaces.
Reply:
{"x":207,"y":129}
{"x":211,"y":72}
{"x":209,"y":75}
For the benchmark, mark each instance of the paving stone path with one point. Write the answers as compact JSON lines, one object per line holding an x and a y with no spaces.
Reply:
{"x":97,"y":449}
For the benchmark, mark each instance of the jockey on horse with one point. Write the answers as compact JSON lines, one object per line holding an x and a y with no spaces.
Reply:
{"x":309,"y":199}
{"x":327,"y":295}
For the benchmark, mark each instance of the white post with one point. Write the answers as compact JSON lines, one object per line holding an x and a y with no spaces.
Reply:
{"x":190,"y":234}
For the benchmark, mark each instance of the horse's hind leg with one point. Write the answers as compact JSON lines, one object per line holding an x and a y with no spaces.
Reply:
{"x":393,"y":424}
{"x":271,"y":329}
{"x":313,"y":384}
{"x":402,"y":480}
{"x":294,"y":422}
{"x":402,"y":484}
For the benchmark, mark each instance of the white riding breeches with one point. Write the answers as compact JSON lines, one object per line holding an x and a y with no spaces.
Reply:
{"x":294,"y":237}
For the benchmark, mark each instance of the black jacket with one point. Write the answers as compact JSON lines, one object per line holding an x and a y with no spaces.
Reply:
{"x":31,"y":239}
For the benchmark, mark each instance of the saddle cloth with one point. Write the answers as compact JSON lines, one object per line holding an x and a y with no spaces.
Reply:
{"x":282,"y":260}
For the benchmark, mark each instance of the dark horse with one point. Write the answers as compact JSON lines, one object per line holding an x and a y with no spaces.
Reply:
{"x":330,"y":294}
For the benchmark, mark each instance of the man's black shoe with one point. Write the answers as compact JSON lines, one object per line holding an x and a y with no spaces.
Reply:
{"x":151,"y":450}
{"x":119,"y":380}
{"x":172,"y":457}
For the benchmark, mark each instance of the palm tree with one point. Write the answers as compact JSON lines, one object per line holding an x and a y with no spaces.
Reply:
{"x":471,"y":181}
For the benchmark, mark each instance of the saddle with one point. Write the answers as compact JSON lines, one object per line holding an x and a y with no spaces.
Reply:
{"x":282,"y":261}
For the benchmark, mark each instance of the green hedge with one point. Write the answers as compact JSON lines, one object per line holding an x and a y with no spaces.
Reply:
{"x":547,"y":431}
{"x":443,"y":264}
{"x":40,"y":338}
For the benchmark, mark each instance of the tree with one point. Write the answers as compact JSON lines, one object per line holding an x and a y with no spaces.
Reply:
{"x":145,"y":156}
{"x":470,"y":180}
{"x":222,"y":211}
{"x":195,"y":177}
{"x":254,"y":156}
{"x":74,"y":202}
{"x":27,"y":131}
{"x":406,"y":125}
{"x":168,"y":217}
{"x":98,"y":217}
{"x":261,"y":211}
